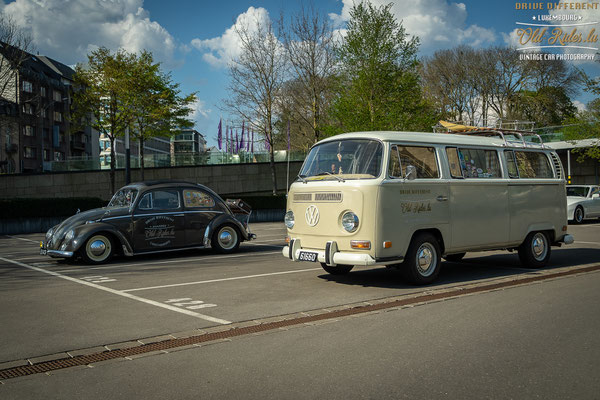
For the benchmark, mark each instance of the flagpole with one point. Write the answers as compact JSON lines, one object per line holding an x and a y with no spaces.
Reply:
{"x":287,"y":183}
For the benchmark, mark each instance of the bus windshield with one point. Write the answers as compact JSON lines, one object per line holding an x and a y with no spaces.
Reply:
{"x":343,"y":159}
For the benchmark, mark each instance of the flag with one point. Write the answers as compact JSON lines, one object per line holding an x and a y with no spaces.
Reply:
{"x":219,"y":135}
{"x":252,"y":140}
{"x":242,"y":139}
{"x":227,"y":140}
{"x":237,"y":143}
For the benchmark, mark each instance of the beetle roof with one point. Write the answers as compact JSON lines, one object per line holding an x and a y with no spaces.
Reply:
{"x":166,"y":183}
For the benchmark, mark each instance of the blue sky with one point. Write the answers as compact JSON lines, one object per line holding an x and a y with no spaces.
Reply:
{"x":193,"y":39}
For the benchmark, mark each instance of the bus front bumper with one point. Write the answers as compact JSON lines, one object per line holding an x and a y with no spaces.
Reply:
{"x":330,"y":256}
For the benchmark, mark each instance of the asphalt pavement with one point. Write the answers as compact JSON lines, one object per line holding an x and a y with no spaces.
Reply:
{"x":529,"y":341}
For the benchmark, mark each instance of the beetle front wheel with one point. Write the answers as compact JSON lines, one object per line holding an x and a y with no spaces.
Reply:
{"x":98,"y":249}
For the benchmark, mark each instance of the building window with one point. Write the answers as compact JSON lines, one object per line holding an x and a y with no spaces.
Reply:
{"x":46,"y":155}
{"x":43,"y":112}
{"x":57,"y":96}
{"x":29,"y":152}
{"x":28,"y":130}
{"x":27,"y":87}
{"x":57,"y":116}
{"x":27,"y":108}
{"x":43,"y":91}
{"x":58,"y":156}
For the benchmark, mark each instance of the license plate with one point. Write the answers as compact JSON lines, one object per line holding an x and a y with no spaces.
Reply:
{"x":43,"y":251}
{"x":307,"y":256}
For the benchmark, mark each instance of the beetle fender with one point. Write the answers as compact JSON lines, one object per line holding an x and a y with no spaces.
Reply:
{"x":84,"y":232}
{"x":220,"y":220}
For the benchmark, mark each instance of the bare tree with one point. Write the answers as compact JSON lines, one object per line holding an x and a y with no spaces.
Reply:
{"x":257,"y":75}
{"x":15,"y":45}
{"x":308,"y":40}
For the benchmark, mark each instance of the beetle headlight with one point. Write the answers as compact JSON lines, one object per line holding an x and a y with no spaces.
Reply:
{"x":289,"y":219}
{"x":69,"y":236}
{"x":49,"y":234}
{"x":350,"y":221}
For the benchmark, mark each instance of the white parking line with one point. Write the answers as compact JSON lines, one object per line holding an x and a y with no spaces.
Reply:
{"x":23,"y":239}
{"x":205,"y":258}
{"x":222,"y":280}
{"x":594,"y":243}
{"x":120,"y":293}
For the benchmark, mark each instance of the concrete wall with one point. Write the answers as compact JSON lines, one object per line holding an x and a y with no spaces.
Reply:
{"x":227,"y":179}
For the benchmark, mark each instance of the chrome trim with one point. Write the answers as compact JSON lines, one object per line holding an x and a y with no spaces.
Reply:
{"x":59,"y":253}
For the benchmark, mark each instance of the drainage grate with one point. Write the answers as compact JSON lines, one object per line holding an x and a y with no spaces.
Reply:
{"x":48,"y":366}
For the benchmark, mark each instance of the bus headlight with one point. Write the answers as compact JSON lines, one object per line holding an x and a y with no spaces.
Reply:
{"x":289,"y":219}
{"x":350,"y":221}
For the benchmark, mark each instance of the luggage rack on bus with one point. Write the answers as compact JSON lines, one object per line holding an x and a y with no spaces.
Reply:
{"x":498,"y":132}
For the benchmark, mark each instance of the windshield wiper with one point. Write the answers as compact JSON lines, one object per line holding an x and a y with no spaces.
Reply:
{"x":329,"y":173}
{"x":302,"y":178}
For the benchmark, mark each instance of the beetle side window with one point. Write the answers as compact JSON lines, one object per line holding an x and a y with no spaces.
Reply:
{"x":479,"y":163}
{"x":534,"y":165}
{"x":195,"y":198}
{"x":160,"y":200}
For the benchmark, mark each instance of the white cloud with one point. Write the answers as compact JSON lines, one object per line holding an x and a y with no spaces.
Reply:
{"x":68,"y":31}
{"x":437,"y":23}
{"x":219,"y":51}
{"x":199,"y":110}
{"x":580,"y":105}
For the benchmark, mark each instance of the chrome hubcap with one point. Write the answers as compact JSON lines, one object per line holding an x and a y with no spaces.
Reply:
{"x":538,"y":245}
{"x":227,"y":238}
{"x":578,"y":215}
{"x":426,"y":259}
{"x":97,"y":247}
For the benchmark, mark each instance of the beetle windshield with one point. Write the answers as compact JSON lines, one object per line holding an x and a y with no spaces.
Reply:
{"x":577,"y":191}
{"x":344,"y":159}
{"x":123,"y":198}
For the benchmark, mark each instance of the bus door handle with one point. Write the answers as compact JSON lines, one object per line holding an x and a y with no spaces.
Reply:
{"x":442,"y":198}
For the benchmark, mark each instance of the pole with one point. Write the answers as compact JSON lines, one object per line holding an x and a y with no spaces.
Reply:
{"x":568,"y":166}
{"x":127,"y":157}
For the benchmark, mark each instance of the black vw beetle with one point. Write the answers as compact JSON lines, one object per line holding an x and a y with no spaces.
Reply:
{"x":150,"y":217}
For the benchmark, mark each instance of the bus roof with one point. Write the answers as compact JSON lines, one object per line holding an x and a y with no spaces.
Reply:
{"x":439,"y":138}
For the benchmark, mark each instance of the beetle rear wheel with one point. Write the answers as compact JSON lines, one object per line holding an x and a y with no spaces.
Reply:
{"x":226,"y":239}
{"x":98,"y":249}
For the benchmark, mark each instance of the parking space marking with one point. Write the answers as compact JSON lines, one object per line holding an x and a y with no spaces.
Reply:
{"x":594,"y":243}
{"x":222,"y":279}
{"x":190,"y":304}
{"x":120,"y":293}
{"x":98,"y":279}
{"x":181,"y":260}
{"x":23,"y":239}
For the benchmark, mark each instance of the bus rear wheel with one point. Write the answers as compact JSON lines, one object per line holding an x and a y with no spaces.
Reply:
{"x":534,"y":252}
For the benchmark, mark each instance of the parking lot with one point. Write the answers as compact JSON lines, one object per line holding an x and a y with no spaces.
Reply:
{"x":50,"y":307}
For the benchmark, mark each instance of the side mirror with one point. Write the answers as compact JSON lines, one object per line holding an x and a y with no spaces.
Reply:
{"x":411,"y":172}
{"x":596,"y":196}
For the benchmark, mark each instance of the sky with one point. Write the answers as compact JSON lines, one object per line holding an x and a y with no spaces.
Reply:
{"x":194,"y":39}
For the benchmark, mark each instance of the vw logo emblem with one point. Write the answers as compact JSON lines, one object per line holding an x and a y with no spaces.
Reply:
{"x":312,"y":215}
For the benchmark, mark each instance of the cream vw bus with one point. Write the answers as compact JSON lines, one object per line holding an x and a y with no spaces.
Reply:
{"x":408,"y":200}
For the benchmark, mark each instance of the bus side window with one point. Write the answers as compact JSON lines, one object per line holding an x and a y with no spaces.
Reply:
{"x":454,"y":162}
{"x":394,"y":168}
{"x":511,"y":164}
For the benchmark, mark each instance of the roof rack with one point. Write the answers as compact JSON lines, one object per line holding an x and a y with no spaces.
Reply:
{"x":457,"y":129}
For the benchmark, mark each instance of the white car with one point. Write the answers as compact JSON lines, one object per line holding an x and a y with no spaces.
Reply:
{"x":583,"y":202}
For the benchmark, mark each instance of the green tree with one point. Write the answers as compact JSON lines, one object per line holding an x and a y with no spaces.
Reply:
{"x":100,"y":99}
{"x":379,"y":86}
{"x":547,"y":106}
{"x":157,"y":108}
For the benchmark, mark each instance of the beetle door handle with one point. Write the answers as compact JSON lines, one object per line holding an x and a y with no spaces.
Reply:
{"x":442,"y":198}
